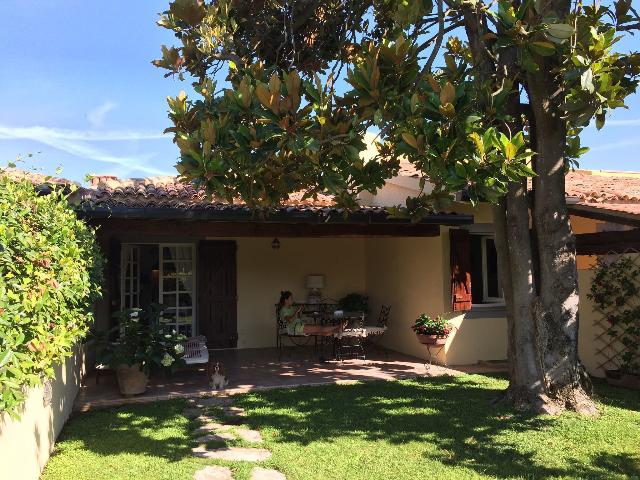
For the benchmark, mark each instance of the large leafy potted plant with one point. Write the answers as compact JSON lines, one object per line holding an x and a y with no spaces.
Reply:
{"x":355,"y":302}
{"x":431,"y":330}
{"x":140,"y":344}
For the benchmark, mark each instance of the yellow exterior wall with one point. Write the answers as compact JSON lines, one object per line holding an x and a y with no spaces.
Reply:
{"x":263,"y":272}
{"x":412,"y":275}
{"x":406,"y":273}
{"x":25,"y":444}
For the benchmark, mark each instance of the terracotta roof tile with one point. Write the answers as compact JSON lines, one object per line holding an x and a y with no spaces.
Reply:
{"x":596,"y":187}
{"x":109,"y":191}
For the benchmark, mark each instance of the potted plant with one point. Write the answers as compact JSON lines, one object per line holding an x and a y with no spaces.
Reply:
{"x":431,"y":330}
{"x":140,"y":344}
{"x":355,"y":302}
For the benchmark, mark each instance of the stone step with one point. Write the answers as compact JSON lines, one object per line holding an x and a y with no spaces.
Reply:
{"x":213,"y":473}
{"x":211,"y":427}
{"x":192,"y":412}
{"x":266,"y":474}
{"x":204,"y":402}
{"x":238,"y":454}
{"x":215,"y":437}
{"x":249,"y":435}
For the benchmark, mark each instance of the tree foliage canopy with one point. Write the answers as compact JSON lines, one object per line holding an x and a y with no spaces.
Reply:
{"x":280,"y":124}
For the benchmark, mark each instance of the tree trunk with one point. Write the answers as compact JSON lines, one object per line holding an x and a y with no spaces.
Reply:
{"x":538,"y":267}
{"x":557,"y":307}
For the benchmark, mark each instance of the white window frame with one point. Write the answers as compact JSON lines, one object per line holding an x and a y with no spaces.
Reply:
{"x":194,"y":289}
{"x":127,"y":261}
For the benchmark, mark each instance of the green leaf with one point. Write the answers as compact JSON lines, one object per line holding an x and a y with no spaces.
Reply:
{"x":544,"y":49}
{"x":560,"y":31}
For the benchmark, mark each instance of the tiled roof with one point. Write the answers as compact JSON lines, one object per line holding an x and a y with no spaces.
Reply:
{"x":164,"y":197}
{"x":158,"y":192}
{"x":593,"y":186}
{"x":34,"y":177}
{"x":606,"y":190}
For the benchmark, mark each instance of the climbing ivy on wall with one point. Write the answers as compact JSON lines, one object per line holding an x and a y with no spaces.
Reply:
{"x":50,"y":273}
{"x":615,"y":291}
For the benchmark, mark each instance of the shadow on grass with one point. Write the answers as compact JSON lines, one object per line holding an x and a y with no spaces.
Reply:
{"x":155,"y":429}
{"x":455,"y":414}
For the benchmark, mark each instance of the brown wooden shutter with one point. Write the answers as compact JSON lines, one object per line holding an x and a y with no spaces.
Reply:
{"x":460,"y":270}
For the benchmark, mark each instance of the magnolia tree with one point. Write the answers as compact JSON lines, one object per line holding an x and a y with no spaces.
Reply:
{"x":477,"y":96}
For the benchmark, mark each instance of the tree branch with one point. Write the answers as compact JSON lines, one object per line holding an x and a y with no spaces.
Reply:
{"x":438,"y":41}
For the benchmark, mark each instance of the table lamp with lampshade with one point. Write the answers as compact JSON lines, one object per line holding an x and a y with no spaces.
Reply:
{"x":315,"y":284}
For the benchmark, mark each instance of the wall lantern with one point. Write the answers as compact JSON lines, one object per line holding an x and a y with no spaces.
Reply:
{"x":275,"y":244}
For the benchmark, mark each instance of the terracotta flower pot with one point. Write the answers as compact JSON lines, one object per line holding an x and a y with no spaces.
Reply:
{"x":132,"y":380}
{"x":431,"y":339}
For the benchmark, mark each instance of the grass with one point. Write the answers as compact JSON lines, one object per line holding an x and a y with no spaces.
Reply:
{"x":443,"y":428}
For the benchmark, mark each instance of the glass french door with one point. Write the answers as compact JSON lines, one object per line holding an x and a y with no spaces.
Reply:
{"x":177,"y":287}
{"x":130,"y":281}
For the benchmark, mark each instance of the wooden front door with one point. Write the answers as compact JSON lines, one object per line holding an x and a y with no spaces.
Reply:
{"x":217,"y":293}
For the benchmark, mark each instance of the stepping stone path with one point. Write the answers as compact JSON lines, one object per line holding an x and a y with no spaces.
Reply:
{"x":210,"y":402}
{"x":210,"y":430}
{"x":215,"y":437}
{"x":210,"y":427}
{"x":233,"y":454}
{"x":213,"y":473}
{"x":266,"y":474}
{"x":247,"y":435}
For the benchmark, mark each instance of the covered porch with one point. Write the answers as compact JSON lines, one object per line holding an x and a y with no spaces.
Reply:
{"x":258,"y":369}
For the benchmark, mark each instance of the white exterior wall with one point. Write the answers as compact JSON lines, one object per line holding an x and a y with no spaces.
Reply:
{"x":25,"y":444}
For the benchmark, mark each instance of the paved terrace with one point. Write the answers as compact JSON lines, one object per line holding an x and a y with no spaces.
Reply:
{"x":260,"y":369}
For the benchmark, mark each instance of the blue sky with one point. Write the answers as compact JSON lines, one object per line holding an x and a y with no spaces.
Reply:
{"x":79,"y":91}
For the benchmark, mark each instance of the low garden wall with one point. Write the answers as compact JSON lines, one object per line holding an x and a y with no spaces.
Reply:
{"x":25,"y":444}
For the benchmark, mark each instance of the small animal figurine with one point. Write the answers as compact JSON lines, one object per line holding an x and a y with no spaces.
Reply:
{"x":217,"y":378}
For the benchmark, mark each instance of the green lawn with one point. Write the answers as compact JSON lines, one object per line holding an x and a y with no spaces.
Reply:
{"x":441,"y":428}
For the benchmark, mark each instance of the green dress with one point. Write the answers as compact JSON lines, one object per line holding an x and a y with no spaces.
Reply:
{"x":296,"y":325}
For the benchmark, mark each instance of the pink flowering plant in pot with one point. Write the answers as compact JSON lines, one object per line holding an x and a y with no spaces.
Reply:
{"x":432,"y":330}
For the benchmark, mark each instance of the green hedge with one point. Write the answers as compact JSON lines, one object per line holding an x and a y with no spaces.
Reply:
{"x":50,"y":273}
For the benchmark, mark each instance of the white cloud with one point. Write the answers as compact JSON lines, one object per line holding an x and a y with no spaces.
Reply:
{"x":97,"y":115}
{"x":615,"y":145}
{"x":78,"y":144}
{"x":632,"y":122}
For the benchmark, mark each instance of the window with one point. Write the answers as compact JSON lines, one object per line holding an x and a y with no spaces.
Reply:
{"x":177,"y":265}
{"x":485,"y":279}
{"x":130,"y":296}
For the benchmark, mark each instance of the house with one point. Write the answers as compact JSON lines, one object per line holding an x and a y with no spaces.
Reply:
{"x":219,"y":270}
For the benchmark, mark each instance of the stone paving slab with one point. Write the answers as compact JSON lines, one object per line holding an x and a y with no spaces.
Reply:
{"x":210,"y":402}
{"x":213,"y":473}
{"x":237,"y":454}
{"x":266,"y":474}
{"x":211,"y":427}
{"x":249,"y":435}
{"x":215,"y":437}
{"x":192,"y":412}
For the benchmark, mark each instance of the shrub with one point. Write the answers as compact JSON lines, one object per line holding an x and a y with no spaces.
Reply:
{"x":50,"y":273}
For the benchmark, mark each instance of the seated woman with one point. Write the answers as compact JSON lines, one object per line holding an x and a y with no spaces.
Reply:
{"x":295,"y":326}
